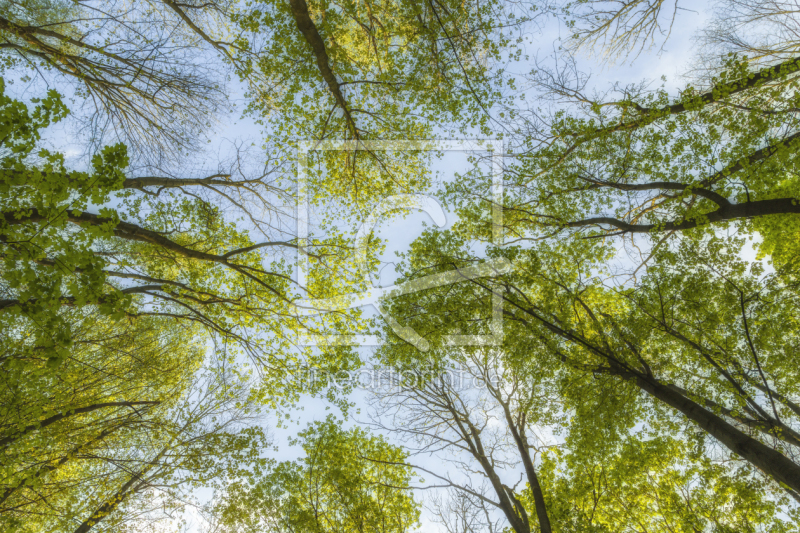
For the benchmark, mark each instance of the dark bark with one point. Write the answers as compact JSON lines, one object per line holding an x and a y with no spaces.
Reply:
{"x":132,"y":232}
{"x":69,"y":413}
{"x":757,"y":156}
{"x":311,"y":34}
{"x":722,"y":90}
{"x":216,"y":180}
{"x":70,"y":300}
{"x":167,"y":183}
{"x":511,"y":507}
{"x":761,"y":456}
{"x":219,"y":45}
{"x":769,"y":461}
{"x":126,"y":230}
{"x":757,"y":208}
{"x":769,"y":426}
{"x":661,"y":186}
{"x":765,"y":75}
{"x":520,"y":440}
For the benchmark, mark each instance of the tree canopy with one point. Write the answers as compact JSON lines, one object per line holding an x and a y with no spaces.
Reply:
{"x":606,"y":330}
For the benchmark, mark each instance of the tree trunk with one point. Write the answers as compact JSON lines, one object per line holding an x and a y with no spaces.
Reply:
{"x":530,"y":471}
{"x":769,"y":461}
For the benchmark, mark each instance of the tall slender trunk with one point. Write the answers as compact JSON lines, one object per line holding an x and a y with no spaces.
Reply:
{"x":769,"y":461}
{"x":118,"y":497}
{"x":530,"y":471}
{"x":508,"y":503}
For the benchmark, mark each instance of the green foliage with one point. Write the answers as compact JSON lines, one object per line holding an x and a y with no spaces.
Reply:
{"x":347,"y":481}
{"x":702,"y":347}
{"x":371,"y":71}
{"x":167,"y":254}
{"x":130,"y":304}
{"x":653,"y":485}
{"x":650,"y":163}
{"x":127,"y":427}
{"x":45,"y":263}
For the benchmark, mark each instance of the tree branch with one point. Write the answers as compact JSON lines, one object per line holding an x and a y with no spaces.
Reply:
{"x":309,"y":30}
{"x":757,"y":208}
{"x":68,"y":413}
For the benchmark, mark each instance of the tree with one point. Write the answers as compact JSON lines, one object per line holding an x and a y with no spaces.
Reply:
{"x":701,"y":337}
{"x":154,"y":254}
{"x":125,"y":431}
{"x":104,"y":341}
{"x":665,"y":336}
{"x":133,"y":63}
{"x":376,"y":71}
{"x":643,"y":403}
{"x":347,"y":481}
{"x":478,"y":412}
{"x":699,"y":347}
{"x":135,"y":252}
{"x":642,"y":164}
{"x":168,"y":246}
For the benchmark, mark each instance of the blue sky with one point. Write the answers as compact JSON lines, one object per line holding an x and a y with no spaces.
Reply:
{"x":398,"y":233}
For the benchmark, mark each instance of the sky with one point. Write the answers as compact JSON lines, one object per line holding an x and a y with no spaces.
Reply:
{"x":398,"y":233}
